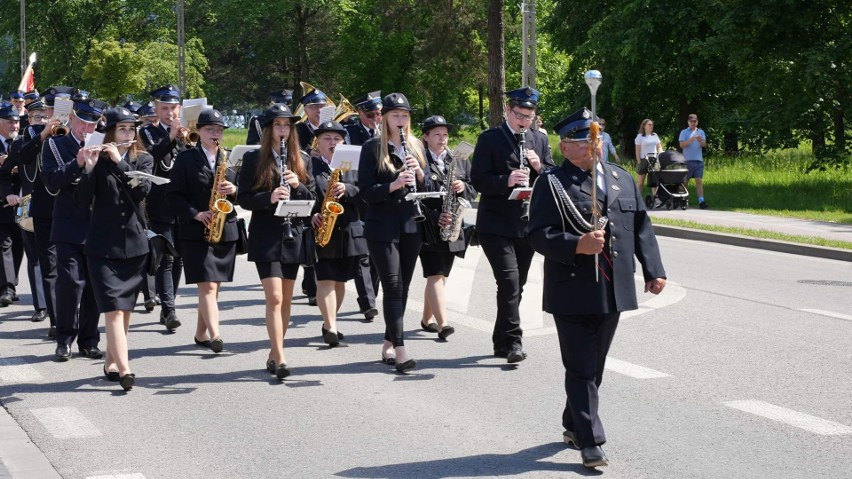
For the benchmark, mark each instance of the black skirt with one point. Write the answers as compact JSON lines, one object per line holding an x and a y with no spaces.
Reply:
{"x":276,"y":270}
{"x":435,"y":263}
{"x":205,"y":262}
{"x":116,"y":282}
{"x":337,"y":269}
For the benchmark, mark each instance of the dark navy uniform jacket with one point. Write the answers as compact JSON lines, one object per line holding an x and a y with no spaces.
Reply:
{"x":494,"y":158}
{"x":10,"y":183}
{"x":356,"y":132}
{"x":189,"y":193}
{"x":116,"y":231}
{"x":306,"y":136}
{"x":435,"y":205}
{"x":28,"y":156}
{"x":388,"y":213}
{"x":266,"y":231}
{"x":163,"y":151}
{"x":60,"y":173}
{"x":347,"y":239}
{"x":569,"y":278}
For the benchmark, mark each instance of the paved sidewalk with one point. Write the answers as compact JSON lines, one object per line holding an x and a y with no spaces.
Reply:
{"x":790,"y":226}
{"x":19,"y":457}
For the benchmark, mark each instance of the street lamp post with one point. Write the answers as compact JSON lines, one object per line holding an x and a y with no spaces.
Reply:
{"x":23,"y":36}
{"x":528,"y":43}
{"x":181,"y":48}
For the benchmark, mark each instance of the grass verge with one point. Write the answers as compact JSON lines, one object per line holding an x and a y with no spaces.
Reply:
{"x":763,"y":234}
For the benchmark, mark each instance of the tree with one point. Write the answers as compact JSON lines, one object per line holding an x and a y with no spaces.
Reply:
{"x":496,"y":62}
{"x":114,"y":69}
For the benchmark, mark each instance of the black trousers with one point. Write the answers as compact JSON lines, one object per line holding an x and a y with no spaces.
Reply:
{"x":309,"y":281}
{"x":167,"y":279}
{"x":395,"y":263}
{"x":34,"y":270}
{"x":46,"y":250}
{"x":12,"y":252}
{"x":74,"y":289}
{"x":510,"y":260}
{"x":366,"y":283}
{"x":149,"y":287}
{"x":584,"y":341}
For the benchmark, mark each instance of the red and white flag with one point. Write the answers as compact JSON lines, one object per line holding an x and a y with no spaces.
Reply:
{"x":28,"y":80}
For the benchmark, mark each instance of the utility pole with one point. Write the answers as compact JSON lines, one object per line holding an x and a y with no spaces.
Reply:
{"x":23,"y":36}
{"x":528,"y":43}
{"x":181,"y":46}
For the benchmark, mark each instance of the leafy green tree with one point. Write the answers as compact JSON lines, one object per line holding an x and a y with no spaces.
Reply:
{"x":114,"y":69}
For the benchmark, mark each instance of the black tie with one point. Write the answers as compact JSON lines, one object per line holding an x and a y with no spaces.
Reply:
{"x":8,"y":145}
{"x":372,"y":132}
{"x":82,"y":144}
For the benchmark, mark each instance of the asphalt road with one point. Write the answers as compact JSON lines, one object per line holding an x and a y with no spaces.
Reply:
{"x":741,"y":368}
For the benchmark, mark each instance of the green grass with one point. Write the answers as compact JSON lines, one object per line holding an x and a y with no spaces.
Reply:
{"x":764,"y":234}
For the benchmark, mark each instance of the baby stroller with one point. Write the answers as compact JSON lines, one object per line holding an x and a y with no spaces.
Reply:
{"x":667,"y":177}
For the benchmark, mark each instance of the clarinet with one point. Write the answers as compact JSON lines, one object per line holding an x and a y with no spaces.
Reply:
{"x":522,"y":149}
{"x":418,"y":207}
{"x":288,"y":225}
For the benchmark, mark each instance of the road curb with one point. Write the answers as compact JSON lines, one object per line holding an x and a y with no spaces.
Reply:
{"x":756,"y":243}
{"x":19,"y":456}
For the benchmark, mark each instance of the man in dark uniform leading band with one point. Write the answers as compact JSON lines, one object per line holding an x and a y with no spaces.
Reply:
{"x":585,"y":309}
{"x":495,"y":172}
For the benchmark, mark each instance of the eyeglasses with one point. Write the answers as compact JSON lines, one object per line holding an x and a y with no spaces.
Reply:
{"x":521,"y":116}
{"x":373,"y":114}
{"x":40,"y":118}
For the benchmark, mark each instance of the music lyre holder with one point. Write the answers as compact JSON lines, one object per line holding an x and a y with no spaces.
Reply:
{"x":520,"y":193}
{"x":424,"y":195}
{"x":294,"y":208}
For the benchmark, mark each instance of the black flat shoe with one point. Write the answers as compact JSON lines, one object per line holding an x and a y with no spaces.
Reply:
{"x":330,"y":338}
{"x":217,"y":345}
{"x":429,"y":328}
{"x":150,"y":304}
{"x":388,"y":360}
{"x":406,"y":365}
{"x":370,"y":313}
{"x":593,"y":456}
{"x":91,"y":353}
{"x":282,"y":371}
{"x":203,"y":344}
{"x":127,"y":381}
{"x":270,"y":366}
{"x":446,"y":331}
{"x":516,"y":356}
{"x":112,"y":375}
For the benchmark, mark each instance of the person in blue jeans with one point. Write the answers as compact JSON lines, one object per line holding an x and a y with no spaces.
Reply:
{"x":693,"y":140}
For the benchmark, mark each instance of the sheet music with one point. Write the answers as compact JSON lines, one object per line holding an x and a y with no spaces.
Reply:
{"x":62,"y":109}
{"x":95,"y":139}
{"x":346,"y":156}
{"x":236,"y":155}
{"x":157,"y":180}
{"x":462,"y":151}
{"x":295,"y":208}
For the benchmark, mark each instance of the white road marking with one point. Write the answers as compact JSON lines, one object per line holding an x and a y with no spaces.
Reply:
{"x":65,"y":422}
{"x":830,"y":314}
{"x":633,"y":370}
{"x":460,"y":283}
{"x":118,"y":476}
{"x":801,"y":420}
{"x":17,"y":370}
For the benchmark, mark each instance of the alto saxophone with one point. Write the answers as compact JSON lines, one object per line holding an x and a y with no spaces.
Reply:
{"x":454,"y":205}
{"x":219,"y":205}
{"x":330,"y":210}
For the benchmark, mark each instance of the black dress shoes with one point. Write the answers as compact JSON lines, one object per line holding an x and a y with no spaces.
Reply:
{"x":170,"y":320}
{"x":446,"y":331}
{"x":593,"y":456}
{"x":332,"y":338}
{"x":217,"y":345}
{"x":429,"y":328}
{"x":150,"y":304}
{"x":280,"y":371}
{"x":203,"y":344}
{"x":312,"y":300}
{"x":63,"y":352}
{"x":39,"y":316}
{"x":516,"y":356}
{"x":370,"y":313}
{"x":5,"y":299}
{"x":568,"y":439}
{"x":406,"y":366}
{"x":112,"y":375}
{"x":127,"y":381}
{"x":91,"y":353}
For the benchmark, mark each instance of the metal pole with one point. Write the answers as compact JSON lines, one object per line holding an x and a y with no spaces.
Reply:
{"x":181,"y":46}
{"x":528,"y":43}
{"x":23,"y":36}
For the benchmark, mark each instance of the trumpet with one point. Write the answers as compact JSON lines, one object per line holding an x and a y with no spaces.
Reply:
{"x":59,"y":130}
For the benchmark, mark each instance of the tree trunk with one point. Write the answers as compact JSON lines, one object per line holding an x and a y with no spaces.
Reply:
{"x":839,"y":132}
{"x":496,"y":63}
{"x":732,"y":143}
